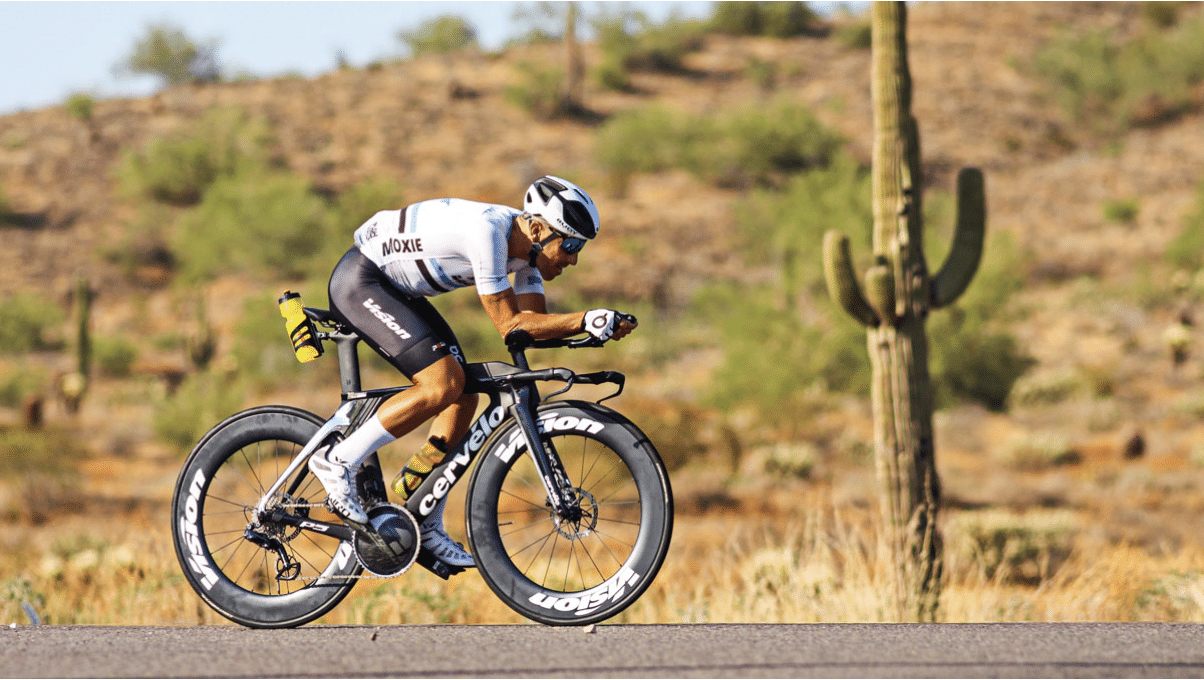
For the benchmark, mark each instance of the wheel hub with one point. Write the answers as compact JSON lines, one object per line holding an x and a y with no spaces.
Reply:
{"x":581,"y":518}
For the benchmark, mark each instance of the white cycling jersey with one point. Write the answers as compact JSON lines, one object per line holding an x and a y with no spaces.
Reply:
{"x":436,"y":246}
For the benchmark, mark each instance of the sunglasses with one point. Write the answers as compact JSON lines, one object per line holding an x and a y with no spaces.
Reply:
{"x":570,"y":245}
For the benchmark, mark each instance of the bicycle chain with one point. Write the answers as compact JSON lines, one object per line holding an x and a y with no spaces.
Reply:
{"x":365,"y":575}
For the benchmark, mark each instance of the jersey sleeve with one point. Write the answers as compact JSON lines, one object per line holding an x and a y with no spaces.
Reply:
{"x":528,"y":280}
{"x":489,"y":264}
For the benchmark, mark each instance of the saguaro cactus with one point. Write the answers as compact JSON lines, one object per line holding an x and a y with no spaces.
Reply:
{"x":898,"y":294}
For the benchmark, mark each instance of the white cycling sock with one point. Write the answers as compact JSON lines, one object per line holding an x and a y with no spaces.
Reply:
{"x":362,"y":443}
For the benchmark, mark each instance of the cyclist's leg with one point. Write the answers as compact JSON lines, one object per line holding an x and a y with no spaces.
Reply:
{"x":408,"y":332}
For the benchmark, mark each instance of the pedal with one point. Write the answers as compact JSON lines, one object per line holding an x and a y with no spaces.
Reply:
{"x":436,"y":566}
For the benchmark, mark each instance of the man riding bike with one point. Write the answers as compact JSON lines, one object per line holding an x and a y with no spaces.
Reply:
{"x":379,"y":288}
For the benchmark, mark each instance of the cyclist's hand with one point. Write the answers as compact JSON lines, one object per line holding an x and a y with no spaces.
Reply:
{"x":608,"y":324}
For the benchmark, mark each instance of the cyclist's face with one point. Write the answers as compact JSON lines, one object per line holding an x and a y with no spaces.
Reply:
{"x":556,"y":256}
{"x":555,"y":260}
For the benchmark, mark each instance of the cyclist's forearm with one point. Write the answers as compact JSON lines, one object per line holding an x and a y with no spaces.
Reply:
{"x":544,"y":326}
{"x":508,"y":316}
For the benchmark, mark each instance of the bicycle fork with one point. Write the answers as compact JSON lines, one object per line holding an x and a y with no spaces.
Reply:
{"x":561,"y":495}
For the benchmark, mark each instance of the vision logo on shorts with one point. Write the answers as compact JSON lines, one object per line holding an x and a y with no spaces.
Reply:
{"x":388,"y":320}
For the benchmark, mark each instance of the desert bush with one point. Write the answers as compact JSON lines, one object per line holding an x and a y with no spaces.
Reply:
{"x":774,"y":361}
{"x":30,"y":323}
{"x":1039,"y":451}
{"x":202,"y":401}
{"x":1122,"y":210}
{"x":115,"y":356}
{"x":630,"y":42}
{"x":974,"y":356}
{"x":777,"y":225}
{"x":438,"y":36}
{"x":80,"y":105}
{"x":854,"y":33}
{"x":270,"y":223}
{"x":1187,"y":249}
{"x":1010,"y":547}
{"x":540,"y":91}
{"x":178,"y":168}
{"x":1113,"y":84}
{"x":773,"y":19}
{"x":759,"y":145}
{"x":18,"y":383}
{"x":166,"y":51}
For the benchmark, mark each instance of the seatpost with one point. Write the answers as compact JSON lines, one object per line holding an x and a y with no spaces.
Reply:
{"x":349,"y":361}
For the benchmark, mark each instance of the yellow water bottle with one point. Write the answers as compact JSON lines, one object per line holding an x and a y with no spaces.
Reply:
{"x":300,"y":329}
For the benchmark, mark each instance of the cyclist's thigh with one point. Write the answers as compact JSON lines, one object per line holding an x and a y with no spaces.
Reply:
{"x":408,"y":332}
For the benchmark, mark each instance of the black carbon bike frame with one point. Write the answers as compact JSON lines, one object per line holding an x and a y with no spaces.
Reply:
{"x":512,"y":395}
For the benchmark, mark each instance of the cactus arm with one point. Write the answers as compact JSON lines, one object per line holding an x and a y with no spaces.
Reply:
{"x":964,"y":256}
{"x":842,"y":283}
{"x":880,"y":291}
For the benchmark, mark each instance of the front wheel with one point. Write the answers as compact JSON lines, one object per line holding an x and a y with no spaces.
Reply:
{"x":262,"y":574}
{"x":593,"y":564}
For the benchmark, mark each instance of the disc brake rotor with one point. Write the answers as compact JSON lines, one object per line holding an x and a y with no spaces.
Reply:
{"x":584,"y":525}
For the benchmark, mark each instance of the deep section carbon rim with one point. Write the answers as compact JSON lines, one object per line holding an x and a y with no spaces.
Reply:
{"x":593,"y":561}
{"x":277,"y":571}
{"x":582,"y":551}
{"x":229,"y":510}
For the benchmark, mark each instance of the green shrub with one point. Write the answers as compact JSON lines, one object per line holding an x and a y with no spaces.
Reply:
{"x":30,"y":323}
{"x":791,"y":222}
{"x":855,"y":34}
{"x":772,"y":359}
{"x":1122,"y":210}
{"x":202,"y":401}
{"x":18,"y":384}
{"x":80,"y":106}
{"x":1110,"y":85}
{"x":439,"y":36}
{"x":167,"y":52}
{"x":758,"y":145}
{"x":115,"y":357}
{"x":773,"y":19}
{"x":631,"y":42}
{"x":541,"y":91}
{"x":178,"y":168}
{"x":973,"y":355}
{"x":1187,"y":249}
{"x":271,"y":223}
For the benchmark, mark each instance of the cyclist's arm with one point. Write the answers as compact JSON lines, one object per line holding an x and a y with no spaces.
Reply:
{"x":528,"y":312}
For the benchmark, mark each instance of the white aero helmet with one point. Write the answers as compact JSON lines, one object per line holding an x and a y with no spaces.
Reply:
{"x":564,"y":205}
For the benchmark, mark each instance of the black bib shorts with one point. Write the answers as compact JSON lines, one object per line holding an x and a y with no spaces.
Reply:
{"x":407,"y":331}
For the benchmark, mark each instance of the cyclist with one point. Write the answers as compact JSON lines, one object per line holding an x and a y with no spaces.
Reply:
{"x":381,"y":286}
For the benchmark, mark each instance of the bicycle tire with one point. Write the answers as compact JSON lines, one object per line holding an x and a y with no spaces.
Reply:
{"x":219,"y":486}
{"x":571,"y":573}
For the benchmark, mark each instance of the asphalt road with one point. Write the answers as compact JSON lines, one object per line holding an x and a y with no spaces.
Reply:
{"x":819,"y":650}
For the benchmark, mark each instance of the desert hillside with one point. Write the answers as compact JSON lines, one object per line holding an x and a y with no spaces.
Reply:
{"x":1102,"y":437}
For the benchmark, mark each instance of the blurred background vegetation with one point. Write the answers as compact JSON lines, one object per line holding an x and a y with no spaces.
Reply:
{"x":211,"y":213}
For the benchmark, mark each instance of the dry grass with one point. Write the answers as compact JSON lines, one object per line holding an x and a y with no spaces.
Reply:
{"x":810,"y":564}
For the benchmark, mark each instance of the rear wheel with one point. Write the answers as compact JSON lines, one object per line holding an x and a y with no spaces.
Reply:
{"x":593,"y":563}
{"x":269,"y":574}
